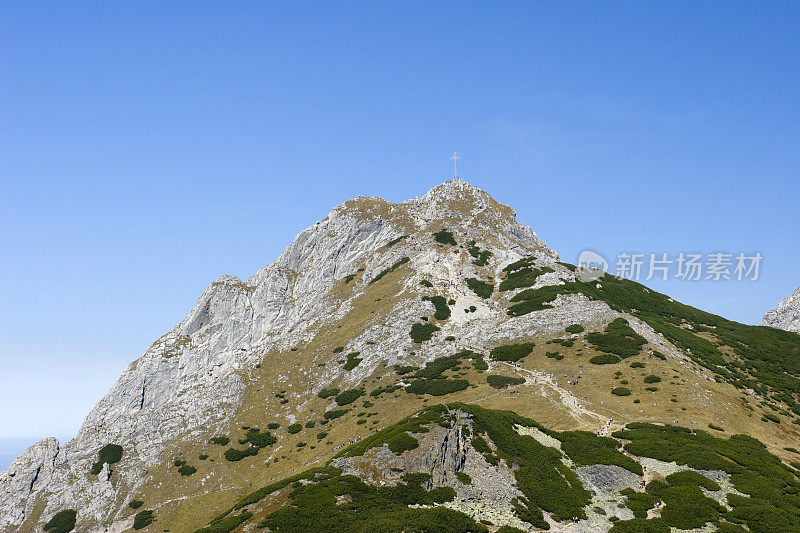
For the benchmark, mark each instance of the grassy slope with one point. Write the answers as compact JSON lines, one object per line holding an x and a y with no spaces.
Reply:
{"x":699,"y":401}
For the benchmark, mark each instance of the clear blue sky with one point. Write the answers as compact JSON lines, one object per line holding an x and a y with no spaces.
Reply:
{"x":147,"y":148}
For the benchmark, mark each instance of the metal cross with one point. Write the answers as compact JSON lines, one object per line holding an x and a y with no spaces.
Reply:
{"x":455,"y":157}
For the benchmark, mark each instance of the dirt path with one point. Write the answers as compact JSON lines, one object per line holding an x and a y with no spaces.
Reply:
{"x":576,"y":407}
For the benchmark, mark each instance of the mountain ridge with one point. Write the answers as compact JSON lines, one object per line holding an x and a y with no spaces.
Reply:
{"x":152,"y":380}
{"x":356,"y":283}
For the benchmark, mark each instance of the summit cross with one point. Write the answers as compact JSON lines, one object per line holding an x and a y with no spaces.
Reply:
{"x":455,"y":157}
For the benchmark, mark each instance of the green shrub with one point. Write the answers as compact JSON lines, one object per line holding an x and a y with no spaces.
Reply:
{"x":771,"y":503}
{"x":135,"y":504}
{"x":310,"y":424}
{"x":651,"y":389}
{"x":640,"y":525}
{"x":258,"y":439}
{"x":426,"y":283}
{"x":422,"y":332}
{"x":444,"y":237}
{"x":618,"y":339}
{"x":232,"y":454}
{"x":352,"y":361}
{"x":656,"y":487}
{"x":404,"y":507}
{"x":327,"y":393}
{"x":480,"y":364}
{"x":294,"y":428}
{"x":403,"y":370}
{"x":586,"y":448}
{"x":349,"y":396}
{"x":481,"y":256}
{"x":512,"y":352}
{"x":143,"y":519}
{"x":501,"y":382}
{"x":638,"y":502}
{"x":604,"y":359}
{"x":395,"y":241}
{"x":321,"y":435}
{"x":450,"y":338}
{"x":509,"y":529}
{"x":714,"y":427}
{"x":202,"y":456}
{"x":481,"y":288}
{"x":522,"y":274}
{"x":392,"y":268}
{"x":437,"y":387}
{"x":690,"y":477}
{"x":338,"y":349}
{"x":221,"y":441}
{"x":275,"y":425}
{"x":62,"y":522}
{"x":637,"y":364}
{"x":621,"y":391}
{"x":575,"y":328}
{"x":440,"y":303}
{"x":772,"y":418}
{"x":110,"y":453}
{"x":652,"y":378}
{"x":554,"y":355}
{"x":186,"y":470}
{"x":380,"y":390}
{"x":464,"y":478}
{"x":687,"y":507}
{"x":535,"y":299}
{"x":402,"y":442}
{"x":334,"y":414}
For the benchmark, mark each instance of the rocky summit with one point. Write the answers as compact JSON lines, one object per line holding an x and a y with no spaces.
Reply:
{"x":787,"y":315}
{"x":431,"y":365}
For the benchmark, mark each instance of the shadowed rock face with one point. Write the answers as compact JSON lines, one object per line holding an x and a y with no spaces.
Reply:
{"x":189,"y":381}
{"x":787,"y":315}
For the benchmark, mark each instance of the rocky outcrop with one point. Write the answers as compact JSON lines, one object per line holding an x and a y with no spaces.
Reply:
{"x":787,"y":315}
{"x":25,"y":476}
{"x":191,"y":381}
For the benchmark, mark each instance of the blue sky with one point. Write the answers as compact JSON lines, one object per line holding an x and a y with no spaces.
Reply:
{"x":148,"y":148}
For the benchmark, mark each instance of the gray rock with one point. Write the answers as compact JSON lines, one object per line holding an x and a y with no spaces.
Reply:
{"x":787,"y":315}
{"x":191,"y":381}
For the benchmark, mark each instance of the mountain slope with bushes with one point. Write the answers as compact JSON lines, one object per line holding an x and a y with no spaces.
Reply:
{"x":431,"y":365}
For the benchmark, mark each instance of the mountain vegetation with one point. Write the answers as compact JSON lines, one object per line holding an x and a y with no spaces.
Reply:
{"x":431,"y":366}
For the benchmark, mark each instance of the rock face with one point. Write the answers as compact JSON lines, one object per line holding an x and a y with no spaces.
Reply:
{"x":190,"y":381}
{"x":261,"y":350}
{"x":787,"y":315}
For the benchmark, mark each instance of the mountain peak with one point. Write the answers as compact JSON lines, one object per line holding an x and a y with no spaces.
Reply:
{"x":787,"y":315}
{"x":366,"y":315}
